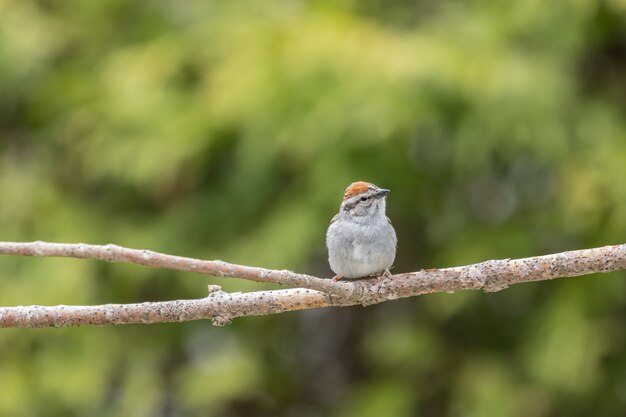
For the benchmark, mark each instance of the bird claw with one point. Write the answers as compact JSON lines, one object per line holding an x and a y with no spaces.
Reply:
{"x":385,"y":274}
{"x":337,"y":278}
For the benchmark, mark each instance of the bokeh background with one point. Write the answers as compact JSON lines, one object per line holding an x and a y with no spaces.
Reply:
{"x":229,"y":130}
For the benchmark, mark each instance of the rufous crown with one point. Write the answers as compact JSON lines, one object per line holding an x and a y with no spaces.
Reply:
{"x":357,"y":188}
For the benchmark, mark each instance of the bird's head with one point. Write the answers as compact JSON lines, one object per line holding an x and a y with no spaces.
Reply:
{"x":363,"y":198}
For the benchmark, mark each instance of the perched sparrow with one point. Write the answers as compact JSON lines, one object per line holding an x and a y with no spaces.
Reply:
{"x":361,"y":240}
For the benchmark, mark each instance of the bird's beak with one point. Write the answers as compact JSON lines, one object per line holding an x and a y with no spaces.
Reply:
{"x":381,"y":193}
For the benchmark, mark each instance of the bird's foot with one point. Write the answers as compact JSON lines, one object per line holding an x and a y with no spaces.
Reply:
{"x":337,"y":278}
{"x":385,"y":274}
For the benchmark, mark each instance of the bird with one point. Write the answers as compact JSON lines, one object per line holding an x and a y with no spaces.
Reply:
{"x":361,"y":240}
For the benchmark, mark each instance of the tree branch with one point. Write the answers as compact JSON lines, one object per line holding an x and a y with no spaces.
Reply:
{"x":144,"y":257}
{"x":221,"y":307}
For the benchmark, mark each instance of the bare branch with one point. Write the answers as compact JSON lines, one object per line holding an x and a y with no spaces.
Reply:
{"x":144,"y":257}
{"x":221,"y":307}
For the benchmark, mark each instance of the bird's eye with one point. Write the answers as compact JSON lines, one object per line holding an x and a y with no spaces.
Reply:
{"x":364,"y":198}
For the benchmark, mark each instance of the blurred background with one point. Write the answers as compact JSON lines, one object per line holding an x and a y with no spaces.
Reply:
{"x":229,"y":130}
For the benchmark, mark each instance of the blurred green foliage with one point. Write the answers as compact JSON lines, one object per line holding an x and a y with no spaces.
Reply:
{"x":228,"y":130}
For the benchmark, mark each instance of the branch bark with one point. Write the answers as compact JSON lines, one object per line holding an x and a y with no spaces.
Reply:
{"x":221,"y":307}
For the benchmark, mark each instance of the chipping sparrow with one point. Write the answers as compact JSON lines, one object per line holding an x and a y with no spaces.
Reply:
{"x":361,"y":240}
